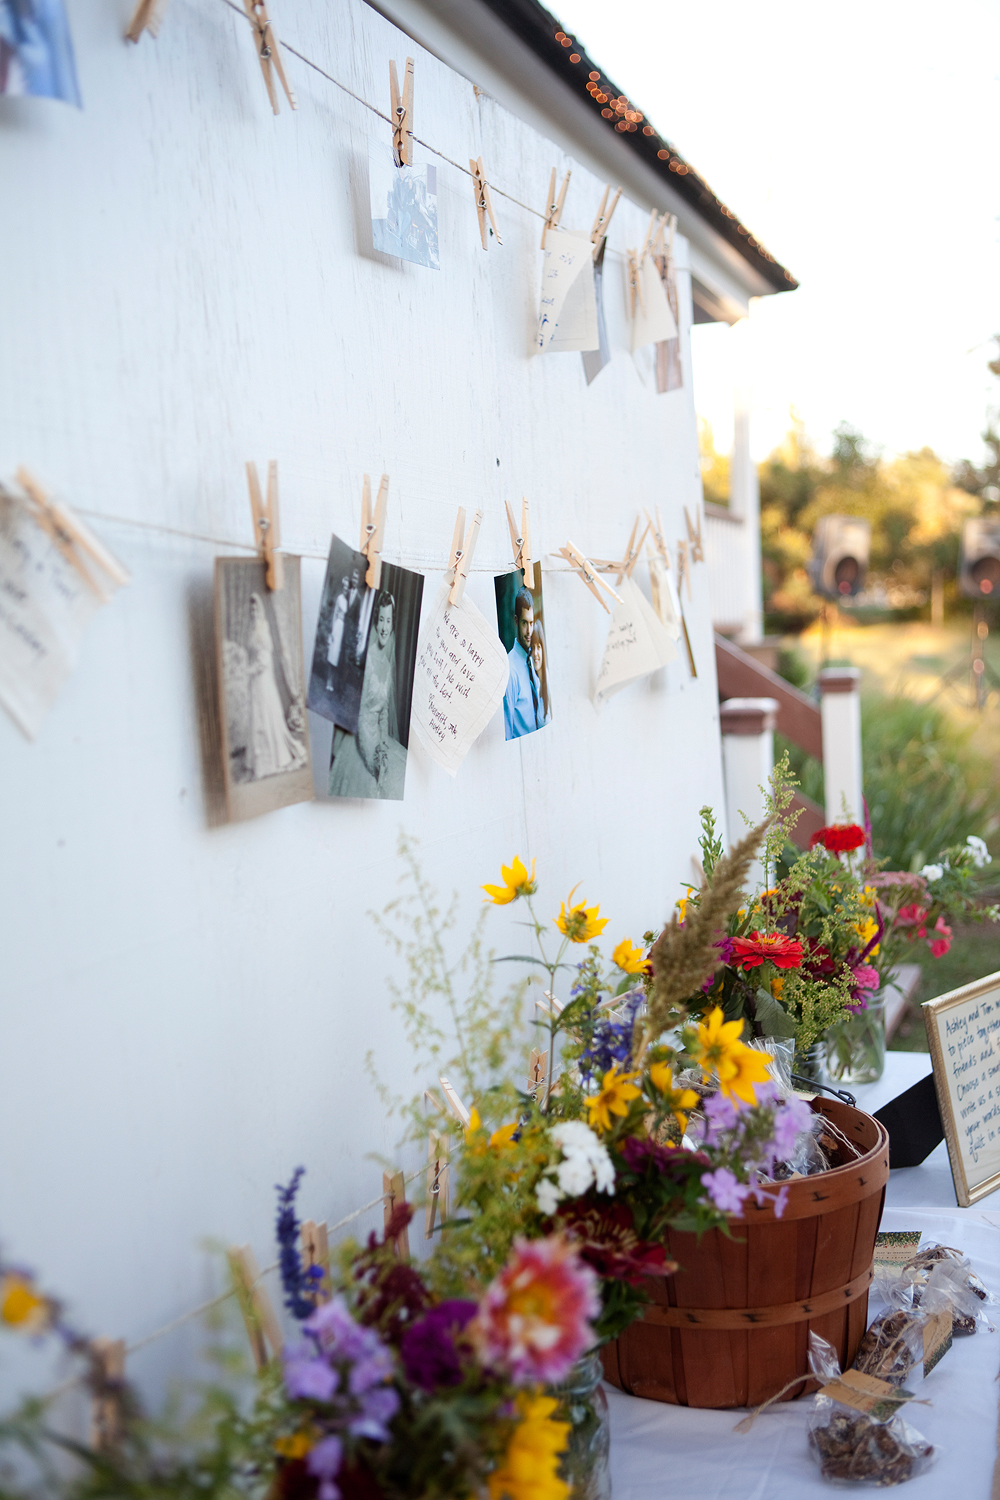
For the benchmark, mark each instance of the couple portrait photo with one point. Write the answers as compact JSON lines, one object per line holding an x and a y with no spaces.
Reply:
{"x":526,"y":705}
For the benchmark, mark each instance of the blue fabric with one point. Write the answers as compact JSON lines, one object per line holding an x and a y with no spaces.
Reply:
{"x":523,"y":712}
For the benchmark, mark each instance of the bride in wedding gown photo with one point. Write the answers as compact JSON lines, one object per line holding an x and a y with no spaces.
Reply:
{"x":372,"y":763}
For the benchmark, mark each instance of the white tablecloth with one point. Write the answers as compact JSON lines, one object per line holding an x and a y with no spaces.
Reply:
{"x":659,"y":1452}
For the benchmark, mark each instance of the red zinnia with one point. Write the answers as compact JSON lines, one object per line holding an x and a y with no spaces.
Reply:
{"x":774,"y":947}
{"x":839,"y":838}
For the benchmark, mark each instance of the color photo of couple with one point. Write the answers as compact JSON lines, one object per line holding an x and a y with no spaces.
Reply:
{"x":526,"y":703}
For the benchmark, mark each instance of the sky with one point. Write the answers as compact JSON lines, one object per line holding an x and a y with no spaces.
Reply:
{"x":859,"y":144}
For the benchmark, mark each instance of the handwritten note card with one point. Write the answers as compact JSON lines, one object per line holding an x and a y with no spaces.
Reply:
{"x":665,"y":600}
{"x":637,"y":644}
{"x":963,"y":1031}
{"x":568,"y":312}
{"x":653,"y":319}
{"x":45,"y":607}
{"x":459,"y":682}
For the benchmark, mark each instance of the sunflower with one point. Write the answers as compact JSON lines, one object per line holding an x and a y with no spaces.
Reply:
{"x":616,"y":1093}
{"x":516,"y":882}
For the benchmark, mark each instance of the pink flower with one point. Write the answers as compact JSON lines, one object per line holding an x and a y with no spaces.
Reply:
{"x":534,"y":1319}
{"x":939,"y":946}
{"x":913,"y":916}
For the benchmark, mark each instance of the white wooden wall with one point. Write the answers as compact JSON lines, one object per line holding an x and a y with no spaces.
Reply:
{"x":189,"y":282}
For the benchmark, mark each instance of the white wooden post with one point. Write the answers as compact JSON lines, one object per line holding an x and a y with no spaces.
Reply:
{"x":840,"y":706}
{"x":747,"y":726}
{"x":744,"y":491}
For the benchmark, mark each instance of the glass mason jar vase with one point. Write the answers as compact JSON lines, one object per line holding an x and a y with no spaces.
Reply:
{"x":854,"y":1049}
{"x":585,"y":1464}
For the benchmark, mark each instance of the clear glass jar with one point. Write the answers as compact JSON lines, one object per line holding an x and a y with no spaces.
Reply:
{"x":854,"y":1049}
{"x":585,"y":1464}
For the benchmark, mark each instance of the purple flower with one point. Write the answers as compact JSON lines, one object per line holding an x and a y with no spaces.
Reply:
{"x":378,"y":1407}
{"x":428,"y":1349}
{"x":373,"y":1368}
{"x":324,"y":1463}
{"x":725,"y":1192}
{"x":336,"y":1332}
{"x":790,"y":1120}
{"x":308,"y":1378}
{"x":294,"y":1279}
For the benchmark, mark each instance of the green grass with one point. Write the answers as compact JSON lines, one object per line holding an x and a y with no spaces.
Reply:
{"x":974,"y":953}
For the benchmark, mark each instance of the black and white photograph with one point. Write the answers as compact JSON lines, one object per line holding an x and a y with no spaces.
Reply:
{"x":36,"y":51}
{"x":261,"y":687}
{"x":526,"y":703}
{"x":345,"y":617}
{"x":371,"y":763}
{"x":404,"y":208}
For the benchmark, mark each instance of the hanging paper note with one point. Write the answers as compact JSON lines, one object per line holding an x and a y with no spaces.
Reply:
{"x":637,"y":643}
{"x":403,"y":208}
{"x":665,"y":600}
{"x":653,"y":319}
{"x":460,"y":679}
{"x":669,"y":370}
{"x":566,"y":257}
{"x":36,"y":50}
{"x":595,"y":359}
{"x":46,"y":603}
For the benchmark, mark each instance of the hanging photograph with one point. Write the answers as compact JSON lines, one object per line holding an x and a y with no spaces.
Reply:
{"x":36,"y":51}
{"x":404,"y":208}
{"x":372,"y":761}
{"x":345,"y":614}
{"x":261,"y":686}
{"x":526,"y":702}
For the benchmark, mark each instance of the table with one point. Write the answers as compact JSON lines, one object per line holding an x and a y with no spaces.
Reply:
{"x":659,"y":1452}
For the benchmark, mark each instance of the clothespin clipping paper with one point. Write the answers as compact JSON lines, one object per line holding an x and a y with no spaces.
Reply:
{"x":463,"y":547}
{"x":522,"y":544}
{"x":437,"y":1181}
{"x":266,"y":521}
{"x":316,"y":1259}
{"x":624,"y":566}
{"x":694,"y":537}
{"x":554,"y":205}
{"x":588,"y":572}
{"x":146,"y":17}
{"x":373,"y":527}
{"x":268,"y":51}
{"x":394,"y":1192}
{"x":603,"y":220}
{"x":107,"y":1379}
{"x":402,"y":114}
{"x":484,"y":203}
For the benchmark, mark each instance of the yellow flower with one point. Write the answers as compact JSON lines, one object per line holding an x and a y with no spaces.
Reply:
{"x":777,"y":985}
{"x":719,"y":1043}
{"x":297,"y":1445}
{"x":516,"y":882}
{"x":866,"y":930}
{"x":581,"y":922}
{"x":682,"y":904}
{"x":628,"y":957}
{"x":530,"y":1469}
{"x":750,"y":1067}
{"x":20,"y":1304}
{"x":616,"y":1092}
{"x":502,"y":1137}
{"x":676,"y":1100}
{"x":499,"y":1137}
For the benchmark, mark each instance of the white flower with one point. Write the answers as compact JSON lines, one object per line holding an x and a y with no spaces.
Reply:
{"x":574,"y":1175}
{"x":585,"y":1159}
{"x":980,"y":854}
{"x":932,"y":872}
{"x":548,"y":1197}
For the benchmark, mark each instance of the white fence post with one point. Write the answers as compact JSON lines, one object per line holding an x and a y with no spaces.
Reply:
{"x":840,"y":706}
{"x":747,"y":726}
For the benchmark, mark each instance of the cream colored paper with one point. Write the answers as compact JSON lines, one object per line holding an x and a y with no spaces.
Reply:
{"x":459,"y":682}
{"x":637,"y":643}
{"x":665,"y":600}
{"x":565,"y":257}
{"x":653,"y":321}
{"x":45,"y":607}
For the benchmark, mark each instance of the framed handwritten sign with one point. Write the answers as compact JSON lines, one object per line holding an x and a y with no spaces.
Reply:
{"x":963,"y":1032}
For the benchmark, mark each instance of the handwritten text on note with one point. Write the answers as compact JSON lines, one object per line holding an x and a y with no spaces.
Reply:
{"x":460,"y":679}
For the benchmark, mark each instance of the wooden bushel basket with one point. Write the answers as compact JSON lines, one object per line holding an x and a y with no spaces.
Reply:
{"x":731,"y":1326}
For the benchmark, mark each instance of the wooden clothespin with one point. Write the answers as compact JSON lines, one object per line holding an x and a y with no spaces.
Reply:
{"x":603,"y":219}
{"x":462,"y":550}
{"x":437,"y":1181}
{"x":402,"y":114}
{"x":538,"y":1067}
{"x":522,"y":544}
{"x":656,"y":223}
{"x":107,"y":1380}
{"x":316,"y":1257}
{"x":683,"y":568}
{"x":484,"y":203}
{"x":268,"y":51}
{"x":258,"y":1311}
{"x":373,"y":527}
{"x":624,"y":567}
{"x":554,"y":205}
{"x":266,"y":521}
{"x":694,"y":537}
{"x":636,"y":300}
{"x":589,"y":574}
{"x":146,"y":17}
{"x":458,"y":1109}
{"x":394,"y":1191}
{"x":72,"y":538}
{"x":549,"y":1006}
{"x":656,"y":527}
